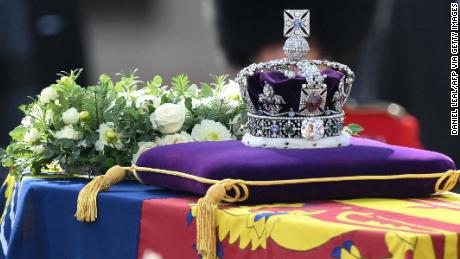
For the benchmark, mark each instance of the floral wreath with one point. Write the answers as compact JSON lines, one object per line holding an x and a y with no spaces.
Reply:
{"x":78,"y":129}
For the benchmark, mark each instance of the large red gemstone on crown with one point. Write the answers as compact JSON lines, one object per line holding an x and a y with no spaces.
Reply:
{"x":313,"y":101}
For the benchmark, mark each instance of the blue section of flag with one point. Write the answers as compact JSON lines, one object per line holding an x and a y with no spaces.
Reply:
{"x":220,"y":250}
{"x":347,"y":244}
{"x":40,"y":221}
{"x":189,"y":217}
{"x":266,"y":215}
{"x":337,"y":252}
{"x":8,"y":216}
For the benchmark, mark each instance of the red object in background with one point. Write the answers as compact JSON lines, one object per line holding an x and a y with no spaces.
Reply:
{"x":387,"y":123}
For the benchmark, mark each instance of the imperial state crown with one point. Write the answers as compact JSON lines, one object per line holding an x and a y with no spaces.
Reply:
{"x":295,"y":102}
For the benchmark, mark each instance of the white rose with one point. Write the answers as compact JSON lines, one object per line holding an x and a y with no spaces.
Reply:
{"x":31,"y":135}
{"x":38,"y":149}
{"x":71,"y":116}
{"x":48,"y":94}
{"x":177,"y":138}
{"x":143,"y":146}
{"x":169,"y":117}
{"x":209,"y":130}
{"x":68,"y":132}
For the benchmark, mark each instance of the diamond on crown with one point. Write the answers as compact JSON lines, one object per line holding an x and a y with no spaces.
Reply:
{"x":312,"y":129}
{"x":269,"y":101}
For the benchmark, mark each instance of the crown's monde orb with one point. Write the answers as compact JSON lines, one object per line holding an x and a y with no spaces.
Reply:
{"x":296,"y":47}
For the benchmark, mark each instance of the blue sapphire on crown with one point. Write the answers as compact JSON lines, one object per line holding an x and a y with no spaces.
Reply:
{"x":298,"y":23}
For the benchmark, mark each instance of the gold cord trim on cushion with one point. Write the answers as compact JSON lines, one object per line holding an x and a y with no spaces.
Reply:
{"x":447,"y":181}
{"x":218,"y":192}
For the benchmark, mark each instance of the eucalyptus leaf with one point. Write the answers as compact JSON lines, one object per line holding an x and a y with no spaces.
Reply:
{"x":18,"y":133}
{"x":157,"y":81}
{"x":206,"y":90}
{"x":188,"y":103}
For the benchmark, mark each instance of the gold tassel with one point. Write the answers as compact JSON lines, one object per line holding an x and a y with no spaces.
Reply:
{"x":87,"y":198}
{"x":206,"y":221}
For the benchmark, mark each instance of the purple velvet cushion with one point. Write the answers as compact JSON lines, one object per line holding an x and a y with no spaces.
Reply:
{"x":232,"y":159}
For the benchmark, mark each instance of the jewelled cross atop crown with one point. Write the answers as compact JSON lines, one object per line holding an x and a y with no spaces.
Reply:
{"x":294,"y":102}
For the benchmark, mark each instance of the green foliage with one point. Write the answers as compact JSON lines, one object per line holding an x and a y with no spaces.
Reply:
{"x":180,"y":84}
{"x":96,"y":102}
{"x":153,"y":86}
{"x":353,"y":129}
{"x":219,"y":110}
{"x":18,"y":133}
{"x":206,"y":90}
{"x":219,"y":81}
{"x":106,"y":123}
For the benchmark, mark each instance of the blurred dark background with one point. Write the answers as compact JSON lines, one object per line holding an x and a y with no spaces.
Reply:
{"x":399,"y":50}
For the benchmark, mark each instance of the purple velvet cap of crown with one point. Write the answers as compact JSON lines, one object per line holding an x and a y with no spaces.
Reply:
{"x":290,"y":88}
{"x":232,"y":159}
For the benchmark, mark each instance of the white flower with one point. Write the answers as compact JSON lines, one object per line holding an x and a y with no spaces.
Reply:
{"x":68,"y":132}
{"x":119,"y":145}
{"x":177,"y":138}
{"x":230,"y":91}
{"x":48,"y":94}
{"x":49,"y":116}
{"x":203,"y":101}
{"x":108,"y":137}
{"x":26,"y":121}
{"x":152,"y":121}
{"x":143,"y":146}
{"x":38,"y":149}
{"x":35,"y":111}
{"x":235,"y":125}
{"x":71,"y":116}
{"x":209,"y":130}
{"x":130,"y":95}
{"x":138,"y":93}
{"x":145,"y":99}
{"x":84,"y":143}
{"x":168,"y":117}
{"x":31,"y":135}
{"x":104,"y":128}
